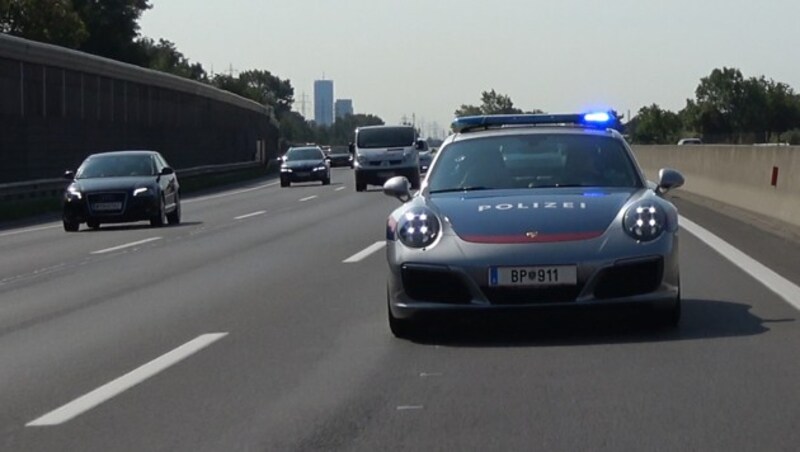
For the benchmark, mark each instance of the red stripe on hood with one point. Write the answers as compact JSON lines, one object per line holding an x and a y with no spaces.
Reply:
{"x":540,"y":238}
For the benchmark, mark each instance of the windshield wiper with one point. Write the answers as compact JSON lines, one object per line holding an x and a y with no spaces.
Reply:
{"x":453,"y":190}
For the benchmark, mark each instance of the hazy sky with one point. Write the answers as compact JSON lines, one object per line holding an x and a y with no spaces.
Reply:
{"x":398,"y":57}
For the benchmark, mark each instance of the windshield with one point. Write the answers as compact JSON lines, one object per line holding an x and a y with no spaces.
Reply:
{"x":386,"y":137}
{"x":116,"y":166}
{"x":533,"y":161}
{"x":304,"y":154}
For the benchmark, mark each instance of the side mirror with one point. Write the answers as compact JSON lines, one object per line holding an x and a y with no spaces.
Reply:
{"x":352,"y":148}
{"x":669,"y":179}
{"x":167,"y":171}
{"x":328,"y":161}
{"x":69,"y":175}
{"x":398,"y":187}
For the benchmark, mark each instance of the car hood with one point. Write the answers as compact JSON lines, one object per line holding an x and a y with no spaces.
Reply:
{"x":543,"y":215}
{"x":303,"y":163}
{"x":114,"y":183}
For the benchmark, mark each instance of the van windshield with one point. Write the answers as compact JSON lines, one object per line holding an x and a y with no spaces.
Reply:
{"x":386,"y":137}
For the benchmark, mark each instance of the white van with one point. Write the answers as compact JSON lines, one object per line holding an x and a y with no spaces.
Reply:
{"x":382,"y":152}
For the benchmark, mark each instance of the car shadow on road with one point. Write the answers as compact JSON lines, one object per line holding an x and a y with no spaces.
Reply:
{"x":702,"y":319}
{"x":133,"y":227}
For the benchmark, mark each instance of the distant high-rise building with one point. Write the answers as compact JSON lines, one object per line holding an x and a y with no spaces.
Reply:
{"x":323,"y":102}
{"x":343,"y":107}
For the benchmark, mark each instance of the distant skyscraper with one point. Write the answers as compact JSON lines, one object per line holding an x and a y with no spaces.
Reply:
{"x":323,"y":102}
{"x":343,"y":107}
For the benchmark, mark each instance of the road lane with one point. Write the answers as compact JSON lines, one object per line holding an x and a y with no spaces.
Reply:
{"x":309,"y":362}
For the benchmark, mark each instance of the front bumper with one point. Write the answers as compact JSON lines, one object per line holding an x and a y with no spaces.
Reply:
{"x":379,"y":175}
{"x":452,"y":285}
{"x":305,"y":176}
{"x":138,"y":208}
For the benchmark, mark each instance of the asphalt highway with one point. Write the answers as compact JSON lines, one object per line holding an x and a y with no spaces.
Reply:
{"x":260,"y":324}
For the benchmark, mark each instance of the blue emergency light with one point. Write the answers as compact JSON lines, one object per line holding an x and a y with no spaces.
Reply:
{"x":594,"y":119}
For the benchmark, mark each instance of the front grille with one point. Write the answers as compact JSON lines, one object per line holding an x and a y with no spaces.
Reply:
{"x":516,"y":295}
{"x":434,"y":285}
{"x":629,"y":279}
{"x":381,"y":162}
{"x":100,"y":203}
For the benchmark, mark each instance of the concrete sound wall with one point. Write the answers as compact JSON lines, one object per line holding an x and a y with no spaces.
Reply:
{"x":58,"y":105}
{"x":741,"y":176}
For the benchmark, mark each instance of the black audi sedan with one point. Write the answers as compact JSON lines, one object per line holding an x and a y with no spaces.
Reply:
{"x":122,"y":187}
{"x":305,"y":164}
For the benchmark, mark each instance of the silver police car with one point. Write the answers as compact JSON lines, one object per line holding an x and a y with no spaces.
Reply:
{"x":528,"y":211}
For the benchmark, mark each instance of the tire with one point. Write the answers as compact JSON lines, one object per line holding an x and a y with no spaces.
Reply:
{"x":360,"y":185}
{"x":71,"y":226}
{"x":669,"y":317}
{"x":400,"y":328}
{"x":415,"y":181}
{"x":285,"y":182}
{"x":326,"y":181}
{"x":160,"y":218}
{"x":94,"y":224}
{"x":174,"y":217}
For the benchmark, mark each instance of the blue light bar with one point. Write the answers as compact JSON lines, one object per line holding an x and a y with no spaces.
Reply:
{"x":595,"y":119}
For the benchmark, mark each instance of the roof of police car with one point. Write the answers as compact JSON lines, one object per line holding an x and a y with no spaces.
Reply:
{"x":538,"y":129}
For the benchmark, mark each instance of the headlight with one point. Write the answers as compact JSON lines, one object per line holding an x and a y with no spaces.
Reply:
{"x":320,"y":168}
{"x":418,"y":228}
{"x":362,"y":159}
{"x":286,"y":170}
{"x":142,"y":191}
{"x":73,"y":192}
{"x":645,"y":221}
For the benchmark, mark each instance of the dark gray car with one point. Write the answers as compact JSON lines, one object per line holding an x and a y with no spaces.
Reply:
{"x":526,"y":217}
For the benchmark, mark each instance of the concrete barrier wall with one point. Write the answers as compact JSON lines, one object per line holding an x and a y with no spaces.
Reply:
{"x":737,"y":175}
{"x":58,"y":105}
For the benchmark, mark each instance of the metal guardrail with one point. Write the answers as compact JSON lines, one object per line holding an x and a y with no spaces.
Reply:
{"x":54,"y":188}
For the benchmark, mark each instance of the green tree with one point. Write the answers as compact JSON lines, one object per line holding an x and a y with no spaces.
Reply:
{"x":164,"y":56}
{"x":113,"y":26}
{"x":784,"y":108}
{"x":653,"y":125}
{"x":50,"y":21}
{"x":492,"y":103}
{"x":260,"y":86}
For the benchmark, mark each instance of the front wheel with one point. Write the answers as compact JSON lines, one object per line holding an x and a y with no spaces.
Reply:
{"x":174,"y":217}
{"x":159,"y":219}
{"x":360,"y":185}
{"x":326,"y":181}
{"x":284,"y":182}
{"x":669,"y":317}
{"x":71,"y":226}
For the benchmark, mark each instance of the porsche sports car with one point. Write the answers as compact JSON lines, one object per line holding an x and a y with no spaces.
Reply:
{"x":527,"y":211}
{"x":120,"y":187}
{"x":305,"y":164}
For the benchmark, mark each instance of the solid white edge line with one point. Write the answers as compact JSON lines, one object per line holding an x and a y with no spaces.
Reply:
{"x":363,"y":254}
{"x":126,"y":245}
{"x":340,"y":188}
{"x":308,"y":198}
{"x":250,"y":215}
{"x":771,"y":280}
{"x":23,"y":231}
{"x":111,"y":389}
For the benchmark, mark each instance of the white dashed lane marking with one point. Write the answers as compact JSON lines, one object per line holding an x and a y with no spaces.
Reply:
{"x":363,"y":254}
{"x":109,"y":390}
{"x":250,"y":215}
{"x":126,"y":245}
{"x":308,"y":198}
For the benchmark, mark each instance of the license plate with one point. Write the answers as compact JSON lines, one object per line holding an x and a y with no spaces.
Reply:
{"x":385,"y":174}
{"x":539,"y":276}
{"x":303,"y":174}
{"x":107,"y":206}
